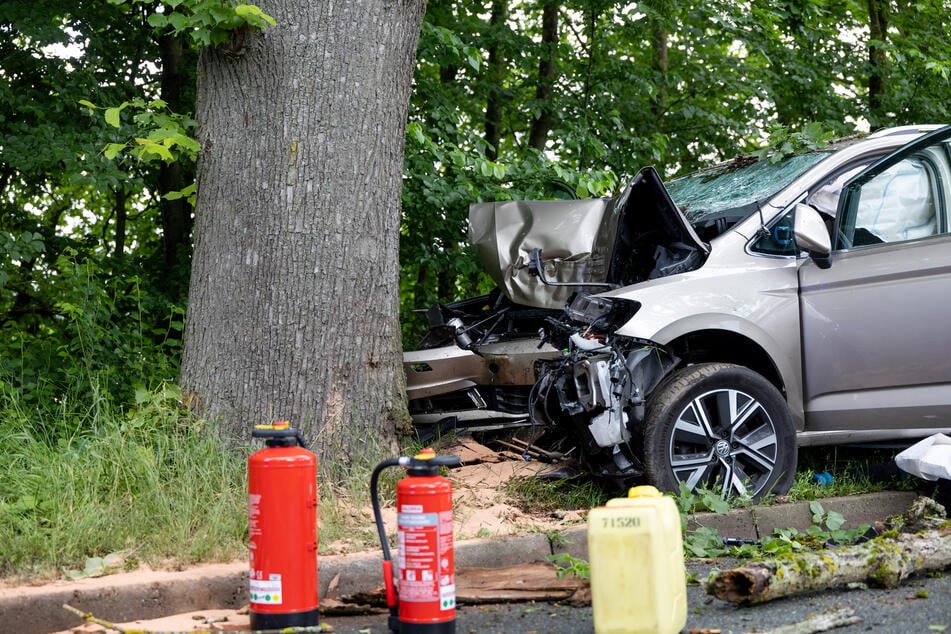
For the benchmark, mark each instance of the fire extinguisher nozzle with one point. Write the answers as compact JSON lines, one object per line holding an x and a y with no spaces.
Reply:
{"x":388,"y":583}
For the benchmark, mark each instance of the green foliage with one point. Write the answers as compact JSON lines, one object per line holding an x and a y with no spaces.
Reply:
{"x":700,"y":499}
{"x":157,"y":133}
{"x":826,"y":529}
{"x":566,"y":565}
{"x":103,"y":334}
{"x":704,"y":542}
{"x":204,"y":22}
{"x":90,"y":305}
{"x":784,"y":142}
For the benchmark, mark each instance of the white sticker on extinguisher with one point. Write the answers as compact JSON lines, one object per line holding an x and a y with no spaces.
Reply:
{"x":266,"y":591}
{"x":447,"y":597}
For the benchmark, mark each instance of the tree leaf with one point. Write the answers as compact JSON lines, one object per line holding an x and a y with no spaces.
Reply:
{"x":253,"y":15}
{"x":112,"y":150}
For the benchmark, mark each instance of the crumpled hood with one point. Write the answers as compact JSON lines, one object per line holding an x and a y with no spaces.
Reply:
{"x":574,"y":236}
{"x":620,"y":240}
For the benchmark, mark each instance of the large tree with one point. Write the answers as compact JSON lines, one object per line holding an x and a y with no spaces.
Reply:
{"x":293,"y":306}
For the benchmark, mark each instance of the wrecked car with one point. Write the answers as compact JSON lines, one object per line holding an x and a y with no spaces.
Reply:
{"x":698,"y":333}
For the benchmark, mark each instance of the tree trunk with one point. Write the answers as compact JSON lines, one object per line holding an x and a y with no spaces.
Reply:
{"x":176,"y":214}
{"x":878,"y":31}
{"x":120,"y":207}
{"x":541,"y":126}
{"x":659,"y":17}
{"x":496,"y":69}
{"x":293,"y":307}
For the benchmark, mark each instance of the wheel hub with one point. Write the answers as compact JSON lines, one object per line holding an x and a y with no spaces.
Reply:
{"x":722,"y":448}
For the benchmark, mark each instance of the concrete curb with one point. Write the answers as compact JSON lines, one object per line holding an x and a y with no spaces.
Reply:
{"x":134,"y":596}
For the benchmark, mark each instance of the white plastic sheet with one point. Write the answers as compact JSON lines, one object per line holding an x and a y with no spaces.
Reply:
{"x":929,"y":459}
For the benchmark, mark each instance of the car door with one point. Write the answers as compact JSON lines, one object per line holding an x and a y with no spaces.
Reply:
{"x":875,"y":324}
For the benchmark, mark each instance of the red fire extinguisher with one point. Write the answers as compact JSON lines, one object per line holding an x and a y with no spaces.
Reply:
{"x":282,"y":530}
{"x":426,"y":602}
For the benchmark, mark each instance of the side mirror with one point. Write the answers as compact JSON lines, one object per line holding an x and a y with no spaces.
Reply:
{"x":812,"y":236}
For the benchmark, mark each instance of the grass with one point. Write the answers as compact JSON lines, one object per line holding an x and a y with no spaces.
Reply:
{"x":853,"y":469}
{"x":149,"y":485}
{"x":534,"y":495}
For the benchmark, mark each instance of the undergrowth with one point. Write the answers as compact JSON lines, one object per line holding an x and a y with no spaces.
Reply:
{"x":100,"y":468}
{"x":147,"y":485}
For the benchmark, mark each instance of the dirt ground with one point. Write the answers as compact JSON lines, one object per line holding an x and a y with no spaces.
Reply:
{"x":481,"y":508}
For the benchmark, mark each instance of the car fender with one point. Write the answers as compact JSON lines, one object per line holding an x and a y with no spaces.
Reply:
{"x":752,"y":296}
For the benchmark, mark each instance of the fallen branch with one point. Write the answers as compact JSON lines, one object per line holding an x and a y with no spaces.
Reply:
{"x":89,"y":618}
{"x":819,"y":623}
{"x":885,"y":561}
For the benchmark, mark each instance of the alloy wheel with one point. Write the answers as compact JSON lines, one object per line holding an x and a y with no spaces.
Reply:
{"x":724,"y":438}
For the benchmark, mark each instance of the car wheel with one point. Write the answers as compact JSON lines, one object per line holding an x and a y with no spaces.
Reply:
{"x":718,"y":425}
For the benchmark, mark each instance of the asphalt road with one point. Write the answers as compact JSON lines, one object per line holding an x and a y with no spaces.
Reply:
{"x":921,"y":605}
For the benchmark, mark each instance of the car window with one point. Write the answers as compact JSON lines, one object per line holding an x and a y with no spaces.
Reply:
{"x":779,"y":239}
{"x":905,"y":202}
{"x":824,"y":197}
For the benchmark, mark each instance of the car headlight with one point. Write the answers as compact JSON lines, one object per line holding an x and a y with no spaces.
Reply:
{"x":604,"y":314}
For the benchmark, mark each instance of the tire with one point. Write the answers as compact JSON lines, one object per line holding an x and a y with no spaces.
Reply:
{"x":719,"y":425}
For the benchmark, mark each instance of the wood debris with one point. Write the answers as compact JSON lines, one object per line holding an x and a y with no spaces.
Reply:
{"x":525,"y":582}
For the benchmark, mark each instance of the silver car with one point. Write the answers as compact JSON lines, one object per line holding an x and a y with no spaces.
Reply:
{"x":698,"y":333}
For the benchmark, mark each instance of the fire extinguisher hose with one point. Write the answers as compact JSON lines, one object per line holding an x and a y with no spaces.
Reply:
{"x":384,"y":543}
{"x":375,"y":501}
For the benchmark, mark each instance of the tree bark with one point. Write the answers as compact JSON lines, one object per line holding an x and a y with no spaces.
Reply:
{"x":541,"y":126}
{"x":883,"y":561}
{"x":176,"y":214}
{"x":878,"y":31}
{"x":495,"y":70}
{"x":293,"y":306}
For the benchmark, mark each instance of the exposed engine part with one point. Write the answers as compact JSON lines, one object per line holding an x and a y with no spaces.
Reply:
{"x":597,"y":393}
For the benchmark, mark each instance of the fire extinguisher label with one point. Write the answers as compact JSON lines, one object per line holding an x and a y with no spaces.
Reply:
{"x":447,"y":597}
{"x":425,"y":558}
{"x":266,"y":591}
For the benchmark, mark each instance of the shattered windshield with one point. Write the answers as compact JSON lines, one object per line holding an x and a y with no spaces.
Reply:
{"x":736,"y":186}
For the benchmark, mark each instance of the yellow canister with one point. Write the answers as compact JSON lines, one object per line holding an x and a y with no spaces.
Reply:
{"x":638,"y":580}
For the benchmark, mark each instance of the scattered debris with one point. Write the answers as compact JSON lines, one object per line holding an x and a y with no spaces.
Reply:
{"x":469,"y":451}
{"x":526,"y":582}
{"x":205,"y":622}
{"x":924,"y":514}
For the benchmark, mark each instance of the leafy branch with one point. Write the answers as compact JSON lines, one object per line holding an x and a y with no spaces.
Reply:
{"x":159,"y":135}
{"x":205,"y":22}
{"x":784,"y":142}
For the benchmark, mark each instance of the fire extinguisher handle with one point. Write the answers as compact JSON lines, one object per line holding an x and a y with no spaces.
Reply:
{"x":276,"y":435}
{"x":445,"y":461}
